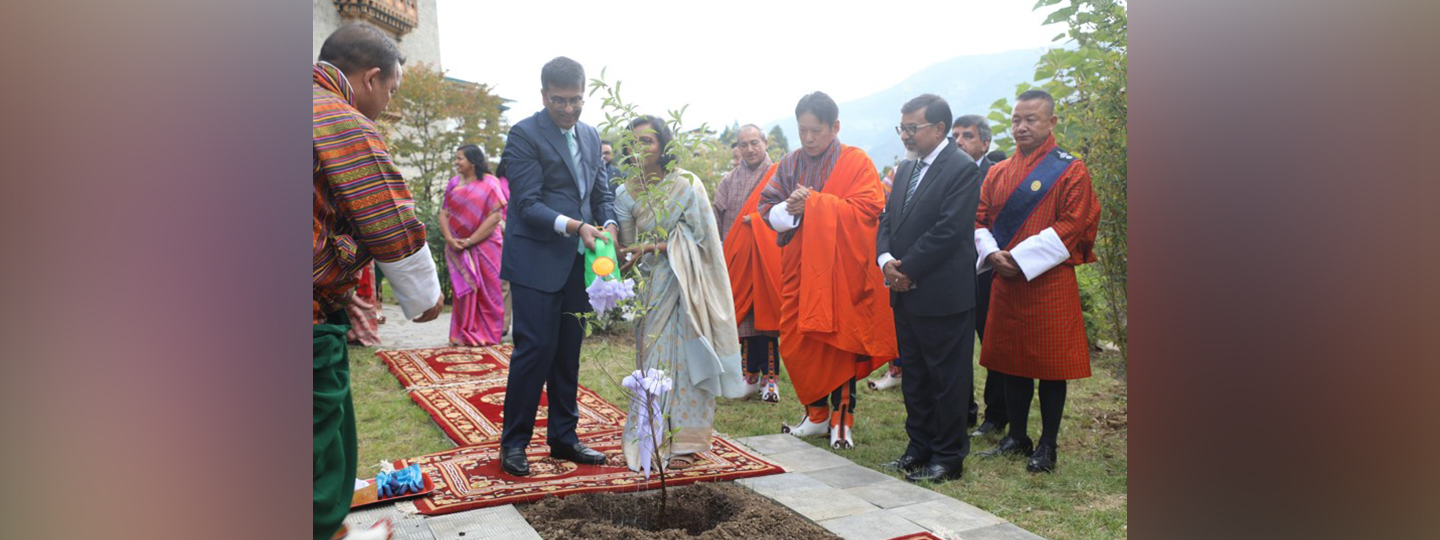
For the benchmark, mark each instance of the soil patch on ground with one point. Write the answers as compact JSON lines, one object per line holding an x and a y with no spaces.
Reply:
{"x":706,"y":511}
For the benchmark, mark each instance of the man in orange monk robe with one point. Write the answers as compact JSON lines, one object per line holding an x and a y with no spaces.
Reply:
{"x":824,"y":201}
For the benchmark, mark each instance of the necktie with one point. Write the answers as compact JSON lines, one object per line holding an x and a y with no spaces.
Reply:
{"x":575,"y":166}
{"x":914,"y":183}
{"x":574,"y":150}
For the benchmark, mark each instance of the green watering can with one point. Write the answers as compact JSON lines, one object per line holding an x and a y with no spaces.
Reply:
{"x":601,"y":262}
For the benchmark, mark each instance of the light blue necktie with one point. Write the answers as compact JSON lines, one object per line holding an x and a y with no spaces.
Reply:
{"x":574,"y":151}
{"x":575,"y":166}
{"x":914,"y":183}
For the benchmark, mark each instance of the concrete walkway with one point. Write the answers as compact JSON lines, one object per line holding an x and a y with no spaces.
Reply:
{"x":857,"y":503}
{"x":400,"y":333}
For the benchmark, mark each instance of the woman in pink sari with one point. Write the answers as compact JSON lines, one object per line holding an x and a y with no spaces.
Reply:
{"x":469,"y":219}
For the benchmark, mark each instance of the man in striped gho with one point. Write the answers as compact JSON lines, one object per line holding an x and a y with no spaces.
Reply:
{"x":363,"y":213}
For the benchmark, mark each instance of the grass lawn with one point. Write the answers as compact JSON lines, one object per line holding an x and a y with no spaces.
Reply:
{"x":1084,"y":499}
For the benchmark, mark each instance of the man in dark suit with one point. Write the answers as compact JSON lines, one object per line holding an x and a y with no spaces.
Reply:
{"x":972,"y":134}
{"x":559,"y":191}
{"x":926,"y":248}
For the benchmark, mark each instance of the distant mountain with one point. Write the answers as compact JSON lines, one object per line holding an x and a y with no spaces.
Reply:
{"x":968,"y":83}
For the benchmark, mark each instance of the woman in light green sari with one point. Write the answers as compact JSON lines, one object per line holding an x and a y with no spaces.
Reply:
{"x":689,"y":326}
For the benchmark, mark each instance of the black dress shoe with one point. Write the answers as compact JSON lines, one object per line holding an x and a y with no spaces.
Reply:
{"x":512,"y":461}
{"x":1044,"y":458}
{"x":1010,"y":446}
{"x":935,"y":472}
{"x":972,"y":420}
{"x":579,"y":453}
{"x":907,"y":463}
{"x":988,"y":428}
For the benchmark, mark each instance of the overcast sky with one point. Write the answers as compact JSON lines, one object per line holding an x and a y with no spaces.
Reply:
{"x":738,"y":60}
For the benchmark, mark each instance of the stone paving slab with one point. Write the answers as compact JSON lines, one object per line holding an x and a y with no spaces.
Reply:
{"x":364,"y":517}
{"x":498,"y":522}
{"x":894,"y":493}
{"x":877,"y":525}
{"x":1003,"y":531}
{"x":775,"y":443}
{"x":806,"y":460}
{"x":849,"y":476}
{"x":773,"y":485}
{"x":948,"y":517}
{"x":822,"y":504}
{"x":405,"y":527}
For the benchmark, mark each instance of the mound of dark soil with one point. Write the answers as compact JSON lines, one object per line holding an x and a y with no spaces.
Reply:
{"x":706,"y":511}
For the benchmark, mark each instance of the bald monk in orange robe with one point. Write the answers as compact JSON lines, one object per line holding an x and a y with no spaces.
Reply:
{"x":824,"y":201}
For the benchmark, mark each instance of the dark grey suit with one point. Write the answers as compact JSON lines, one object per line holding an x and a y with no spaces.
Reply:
{"x":934,"y":240}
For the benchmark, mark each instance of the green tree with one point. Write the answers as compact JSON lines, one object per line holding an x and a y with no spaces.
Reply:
{"x":1089,"y":84}
{"x":429,"y":118}
{"x":730,"y":135}
{"x":779,"y":146}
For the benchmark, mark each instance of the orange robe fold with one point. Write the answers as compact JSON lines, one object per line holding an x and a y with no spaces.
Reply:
{"x":753,"y":259}
{"x":835,"y":317}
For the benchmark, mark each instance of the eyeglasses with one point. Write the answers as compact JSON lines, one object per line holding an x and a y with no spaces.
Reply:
{"x":757,"y":143}
{"x":912,"y":128}
{"x":561,"y":103}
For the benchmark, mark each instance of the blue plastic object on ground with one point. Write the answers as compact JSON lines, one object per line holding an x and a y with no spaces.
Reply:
{"x":402,"y":482}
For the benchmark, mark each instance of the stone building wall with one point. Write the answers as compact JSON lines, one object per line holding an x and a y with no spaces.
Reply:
{"x":421,"y":44}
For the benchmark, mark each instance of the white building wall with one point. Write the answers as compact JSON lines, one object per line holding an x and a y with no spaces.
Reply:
{"x":421,"y":44}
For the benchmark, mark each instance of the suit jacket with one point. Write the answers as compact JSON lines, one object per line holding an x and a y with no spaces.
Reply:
{"x":984,"y":164}
{"x":543,"y":185}
{"x":935,"y":238}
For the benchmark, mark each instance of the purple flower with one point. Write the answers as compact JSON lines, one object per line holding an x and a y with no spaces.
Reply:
{"x":606,"y":293}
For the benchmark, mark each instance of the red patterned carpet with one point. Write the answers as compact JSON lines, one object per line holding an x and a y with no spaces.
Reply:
{"x":450,"y":365}
{"x":918,"y":536}
{"x":463,"y":390}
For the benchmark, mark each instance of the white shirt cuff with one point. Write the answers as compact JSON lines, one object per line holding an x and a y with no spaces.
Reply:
{"x":560,"y":222}
{"x":884,"y":258}
{"x":1037,"y":254}
{"x":416,"y":285}
{"x":984,"y":246}
{"x":781,"y":220}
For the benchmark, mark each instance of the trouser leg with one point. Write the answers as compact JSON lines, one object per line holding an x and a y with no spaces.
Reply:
{"x":1052,"y":409}
{"x":536,"y":333}
{"x":1018,"y":393}
{"x":916,"y":389}
{"x":564,"y":379}
{"x":949,"y":367}
{"x":995,"y":398}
